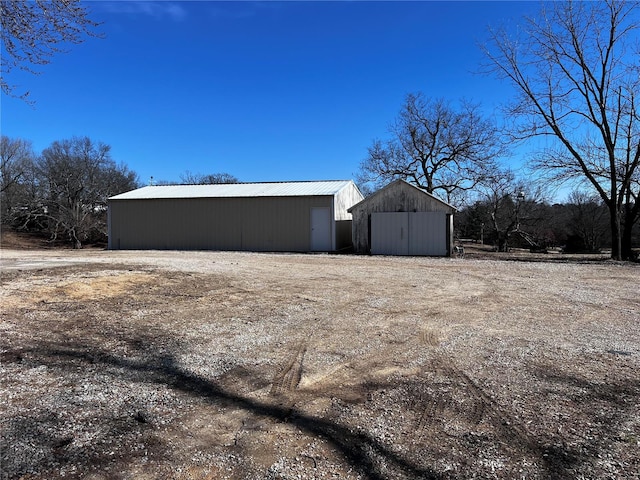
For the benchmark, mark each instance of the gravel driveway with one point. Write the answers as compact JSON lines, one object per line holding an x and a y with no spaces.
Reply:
{"x":207,"y":365}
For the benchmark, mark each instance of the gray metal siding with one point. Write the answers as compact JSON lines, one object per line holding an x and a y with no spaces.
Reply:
{"x":390,"y":233}
{"x":254,"y":224}
{"x":428,"y":233}
{"x":409,"y":233}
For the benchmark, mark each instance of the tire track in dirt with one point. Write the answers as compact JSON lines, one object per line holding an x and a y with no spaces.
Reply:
{"x":479,"y":400}
{"x":287,"y":379}
{"x":478,"y":407}
{"x":434,"y":410}
{"x":429,"y":337}
{"x":432,"y":406}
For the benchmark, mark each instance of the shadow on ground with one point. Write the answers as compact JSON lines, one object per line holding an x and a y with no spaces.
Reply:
{"x":555,"y":457}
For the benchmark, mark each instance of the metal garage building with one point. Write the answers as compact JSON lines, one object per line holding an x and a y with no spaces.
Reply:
{"x":401,"y":219}
{"x":276,"y":217}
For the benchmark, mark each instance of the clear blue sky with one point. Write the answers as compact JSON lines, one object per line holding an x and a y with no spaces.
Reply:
{"x":265,"y":91}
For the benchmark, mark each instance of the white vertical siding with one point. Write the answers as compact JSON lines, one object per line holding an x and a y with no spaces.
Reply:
{"x":347,"y":197}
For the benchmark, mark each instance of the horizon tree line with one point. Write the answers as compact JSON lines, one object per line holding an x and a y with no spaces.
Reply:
{"x":62,"y":194}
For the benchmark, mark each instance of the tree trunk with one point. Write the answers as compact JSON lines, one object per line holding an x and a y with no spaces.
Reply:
{"x":503,"y":242}
{"x":630,"y":216}
{"x":626,"y":253}
{"x":616,"y":237}
{"x":77,"y":244}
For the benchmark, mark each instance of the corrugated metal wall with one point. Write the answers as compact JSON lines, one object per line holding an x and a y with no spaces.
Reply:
{"x":254,"y":224}
{"x":345,"y":199}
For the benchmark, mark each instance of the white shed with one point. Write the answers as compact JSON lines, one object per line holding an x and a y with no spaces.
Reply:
{"x":401,"y":219}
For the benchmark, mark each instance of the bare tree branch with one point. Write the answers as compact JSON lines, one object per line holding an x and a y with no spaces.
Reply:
{"x":33,"y":31}
{"x":436,"y":147}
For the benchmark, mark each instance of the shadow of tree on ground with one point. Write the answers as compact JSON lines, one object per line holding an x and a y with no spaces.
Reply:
{"x":362,"y":451}
{"x":601,"y":407}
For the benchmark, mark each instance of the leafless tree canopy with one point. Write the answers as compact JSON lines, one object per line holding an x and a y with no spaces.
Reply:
{"x":63,"y":192}
{"x":16,"y":172}
{"x":15,"y":156}
{"x":587,"y":220}
{"x":512,"y":206}
{"x":436,"y":147}
{"x":78,"y":177}
{"x":33,"y":31}
{"x":576,"y":68}
{"x":189,"y":178}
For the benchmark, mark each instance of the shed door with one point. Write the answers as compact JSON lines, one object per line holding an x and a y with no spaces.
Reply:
{"x":390,"y":233}
{"x":428,"y":233}
{"x":409,"y":233}
{"x":320,"y":229}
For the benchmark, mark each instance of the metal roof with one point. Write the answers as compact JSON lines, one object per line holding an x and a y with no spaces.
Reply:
{"x":275,"y":189}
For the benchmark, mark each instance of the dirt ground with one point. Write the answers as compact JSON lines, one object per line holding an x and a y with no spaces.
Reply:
{"x":216,"y":365}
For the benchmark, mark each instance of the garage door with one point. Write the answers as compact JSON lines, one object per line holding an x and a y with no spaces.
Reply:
{"x":390,"y":233}
{"x":409,"y":233}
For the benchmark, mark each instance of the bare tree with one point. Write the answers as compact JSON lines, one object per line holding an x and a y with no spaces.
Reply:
{"x":512,"y":207}
{"x":16,"y":162}
{"x":78,"y":176}
{"x":440,"y":149}
{"x":33,"y":31}
{"x":587,"y":220}
{"x":576,"y":69}
{"x":502,"y":197}
{"x":189,"y":178}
